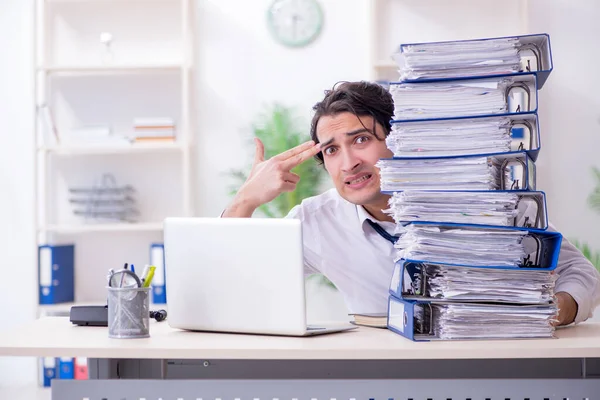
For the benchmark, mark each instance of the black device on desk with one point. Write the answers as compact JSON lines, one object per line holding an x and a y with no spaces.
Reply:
{"x":98,"y":315}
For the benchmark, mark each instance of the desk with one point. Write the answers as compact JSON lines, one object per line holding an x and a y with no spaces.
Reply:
{"x":359,"y":363}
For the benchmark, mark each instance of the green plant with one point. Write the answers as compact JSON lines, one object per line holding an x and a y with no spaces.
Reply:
{"x":586,"y":250}
{"x":594,"y":203}
{"x":279,"y":129}
{"x":594,"y":198}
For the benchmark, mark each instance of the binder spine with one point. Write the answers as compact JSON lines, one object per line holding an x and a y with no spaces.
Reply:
{"x":56,"y":274}
{"x":401,"y":317}
{"x":157,"y":258}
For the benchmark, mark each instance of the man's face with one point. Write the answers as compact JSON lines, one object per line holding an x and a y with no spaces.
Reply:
{"x":350,"y":152}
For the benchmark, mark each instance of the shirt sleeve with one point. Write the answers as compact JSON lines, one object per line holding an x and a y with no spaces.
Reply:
{"x":578,"y":277}
{"x":310,"y":244}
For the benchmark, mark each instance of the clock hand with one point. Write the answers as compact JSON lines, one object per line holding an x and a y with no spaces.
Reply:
{"x":295,"y":23}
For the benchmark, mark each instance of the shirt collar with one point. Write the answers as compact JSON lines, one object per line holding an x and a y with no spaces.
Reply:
{"x":363,"y":215}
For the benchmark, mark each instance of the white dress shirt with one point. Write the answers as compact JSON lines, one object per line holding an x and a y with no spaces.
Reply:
{"x":340,"y":244}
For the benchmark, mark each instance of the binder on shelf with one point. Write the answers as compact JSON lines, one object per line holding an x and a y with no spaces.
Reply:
{"x":448,"y":136}
{"x":465,"y":97}
{"x":441,"y":282}
{"x":525,"y":209}
{"x":427,"y":321}
{"x":157,"y":258}
{"x":498,"y":171}
{"x":479,"y":245}
{"x":66,"y":368}
{"x":47,"y":369}
{"x":56,"y":273}
{"x":81,"y":368}
{"x":421,"y":62}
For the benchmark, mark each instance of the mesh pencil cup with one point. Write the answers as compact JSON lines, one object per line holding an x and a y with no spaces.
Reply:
{"x":128,"y":312}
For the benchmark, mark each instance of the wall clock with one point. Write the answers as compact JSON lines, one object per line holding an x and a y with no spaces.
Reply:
{"x":295,"y":23}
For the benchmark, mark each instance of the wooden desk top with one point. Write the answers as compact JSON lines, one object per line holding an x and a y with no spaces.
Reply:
{"x":56,"y":336}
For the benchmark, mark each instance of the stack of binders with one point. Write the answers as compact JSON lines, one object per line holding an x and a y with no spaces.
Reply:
{"x":475,"y":259}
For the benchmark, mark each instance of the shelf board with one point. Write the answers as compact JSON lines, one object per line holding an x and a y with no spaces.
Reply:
{"x":111,"y":148}
{"x":109,"y":69}
{"x":108,"y":227}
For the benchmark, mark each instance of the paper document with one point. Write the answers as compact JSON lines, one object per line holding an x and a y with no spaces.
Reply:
{"x":469,"y":284}
{"x":481,"y":321}
{"x":484,"y":208}
{"x":479,"y":247}
{"x":473,"y":173}
{"x":451,"y":98}
{"x":456,"y":59}
{"x":451,"y":137}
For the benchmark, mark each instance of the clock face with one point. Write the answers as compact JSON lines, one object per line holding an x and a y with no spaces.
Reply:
{"x":295,"y":23}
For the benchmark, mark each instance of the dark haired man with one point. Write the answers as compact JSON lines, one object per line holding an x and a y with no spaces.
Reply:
{"x":347,"y":236}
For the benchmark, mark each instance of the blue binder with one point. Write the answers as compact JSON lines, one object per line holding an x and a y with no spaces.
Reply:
{"x":525,"y":81}
{"x":536,"y":217}
{"x":157,"y":258}
{"x":413,"y":319}
{"x":518,"y":165}
{"x":66,"y":368}
{"x":537,"y":44}
{"x":47,"y":370}
{"x":56,"y":265}
{"x":525,"y":130}
{"x":547,"y":243}
{"x":405,"y":272}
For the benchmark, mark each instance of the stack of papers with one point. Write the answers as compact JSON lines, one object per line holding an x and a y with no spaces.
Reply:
{"x":451,"y":137}
{"x":459,"y":173}
{"x":483,"y":208}
{"x":456,"y":59}
{"x":450,"y":99}
{"x":477,"y":247}
{"x":468,"y":284}
{"x":481,"y":321}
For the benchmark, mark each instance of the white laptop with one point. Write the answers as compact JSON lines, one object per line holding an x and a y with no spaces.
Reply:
{"x":243,"y":275}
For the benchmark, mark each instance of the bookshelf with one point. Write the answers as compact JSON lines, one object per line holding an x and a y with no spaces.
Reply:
{"x":100,"y":66}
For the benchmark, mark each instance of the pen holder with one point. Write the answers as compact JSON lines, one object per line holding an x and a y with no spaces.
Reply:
{"x":128,"y":312}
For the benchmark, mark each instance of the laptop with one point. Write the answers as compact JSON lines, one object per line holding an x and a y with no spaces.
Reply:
{"x":240,"y":275}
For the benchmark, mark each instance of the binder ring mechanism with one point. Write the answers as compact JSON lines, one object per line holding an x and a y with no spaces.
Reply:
{"x":515,"y":184}
{"x":538,"y":214}
{"x":525,"y":88}
{"x":529,"y":127}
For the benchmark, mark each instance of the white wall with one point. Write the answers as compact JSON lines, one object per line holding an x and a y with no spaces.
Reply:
{"x":18,"y":296}
{"x":569,"y":112}
{"x":240,"y":68}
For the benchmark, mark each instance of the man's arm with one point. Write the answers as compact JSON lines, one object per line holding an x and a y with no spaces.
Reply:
{"x":269,"y":178}
{"x":578,"y":285}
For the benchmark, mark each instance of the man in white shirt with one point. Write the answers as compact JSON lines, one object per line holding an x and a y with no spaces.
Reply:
{"x":342,"y":233}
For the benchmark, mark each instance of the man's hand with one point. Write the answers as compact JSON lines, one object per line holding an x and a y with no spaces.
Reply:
{"x":269,"y":178}
{"x":567,"y":308}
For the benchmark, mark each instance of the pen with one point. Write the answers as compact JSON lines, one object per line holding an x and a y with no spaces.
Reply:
{"x":132,"y":268}
{"x":123,"y":275}
{"x":148,"y":279}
